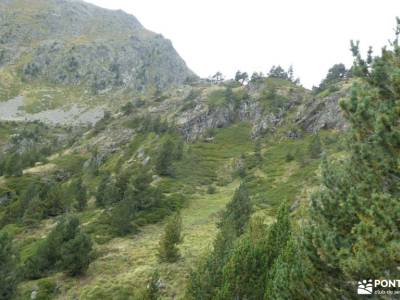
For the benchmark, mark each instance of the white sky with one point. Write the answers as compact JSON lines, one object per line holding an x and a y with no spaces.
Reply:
{"x":253,"y":35}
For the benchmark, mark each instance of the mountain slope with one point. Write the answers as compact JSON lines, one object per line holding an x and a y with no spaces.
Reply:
{"x":67,"y":62}
{"x":78,"y":45}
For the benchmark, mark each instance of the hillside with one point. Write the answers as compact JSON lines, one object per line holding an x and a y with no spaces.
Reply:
{"x":229,"y":134}
{"x":56,"y":53}
{"x":65,"y":134}
{"x":125,"y":176}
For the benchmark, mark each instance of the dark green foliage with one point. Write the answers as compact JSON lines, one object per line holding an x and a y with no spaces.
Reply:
{"x":97,"y":85}
{"x":127,"y":109}
{"x":208,"y":275}
{"x":267,"y":262}
{"x":71,"y":64}
{"x":272,"y":101}
{"x":76,"y":254}
{"x":241,"y":171}
{"x":165,"y":158}
{"x":218,"y":77}
{"x":65,"y":248}
{"x":292,"y":276}
{"x":335,"y":74}
{"x":8,"y":273}
{"x":238,"y":211}
{"x":180,"y":145}
{"x":211,"y":189}
{"x":34,"y":212}
{"x":241,"y":77}
{"x":243,"y":277}
{"x":42,"y":142}
{"x":12,"y":165}
{"x":148,"y":124}
{"x":138,"y":196}
{"x":78,"y":193}
{"x":289,"y":157}
{"x":30,"y":71}
{"x":107,"y":191}
{"x":93,"y":166}
{"x":121,"y":217}
{"x":315,"y":147}
{"x":55,"y":203}
{"x":354,"y":231}
{"x":278,"y":72}
{"x":35,"y":200}
{"x":172,"y":236}
{"x":257,"y":77}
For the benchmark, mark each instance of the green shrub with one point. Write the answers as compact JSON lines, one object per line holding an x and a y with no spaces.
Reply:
{"x":46,"y":289}
{"x":315,"y":147}
{"x":289,"y":157}
{"x":8,"y":272}
{"x":172,"y":236}
{"x":211,"y":189}
{"x":65,"y":248}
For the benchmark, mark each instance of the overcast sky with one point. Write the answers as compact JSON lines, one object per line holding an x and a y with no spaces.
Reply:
{"x":253,"y":35}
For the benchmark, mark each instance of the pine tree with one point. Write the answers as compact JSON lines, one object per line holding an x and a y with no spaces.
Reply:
{"x":121,"y":218}
{"x":244,"y":270}
{"x":249,"y":268}
{"x":65,"y":248}
{"x":205,"y":280}
{"x":140,"y":194}
{"x":78,"y":191}
{"x":8,"y":273}
{"x":107,"y":191}
{"x":34,"y":212}
{"x":315,"y":147}
{"x":354,"y":231}
{"x":76,"y":254}
{"x":238,"y":210}
{"x":241,"y":77}
{"x":172,"y":236}
{"x":179,"y":149}
{"x":165,"y":158}
{"x":55,"y":203}
{"x":13,"y":165}
{"x":292,"y":276}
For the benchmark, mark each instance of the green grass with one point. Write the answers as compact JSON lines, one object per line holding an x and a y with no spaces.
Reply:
{"x":122,"y":266}
{"x":203,"y":161}
{"x":70,"y":162}
{"x":217,"y":98}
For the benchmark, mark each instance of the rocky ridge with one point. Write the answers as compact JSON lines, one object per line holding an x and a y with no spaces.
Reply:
{"x":76,"y":44}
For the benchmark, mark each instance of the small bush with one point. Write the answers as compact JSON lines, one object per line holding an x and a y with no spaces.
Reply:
{"x":289,"y":157}
{"x":167,"y":250}
{"x":211,"y":189}
{"x":47,"y":289}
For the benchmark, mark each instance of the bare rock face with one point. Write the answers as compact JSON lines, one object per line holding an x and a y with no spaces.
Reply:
{"x":104,"y":55}
{"x":194,"y":122}
{"x":74,"y":43}
{"x":322,"y":113}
